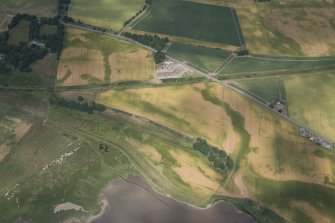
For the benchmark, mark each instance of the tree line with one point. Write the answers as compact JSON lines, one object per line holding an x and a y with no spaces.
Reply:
{"x":154,"y":42}
{"x":80,"y":104}
{"x":218,"y":157}
{"x":147,"y":4}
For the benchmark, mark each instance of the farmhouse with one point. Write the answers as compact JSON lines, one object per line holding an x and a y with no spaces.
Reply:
{"x":170,"y":69}
{"x":37,"y":43}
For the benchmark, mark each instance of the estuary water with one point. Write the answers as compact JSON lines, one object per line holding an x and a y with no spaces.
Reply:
{"x":134,"y":201}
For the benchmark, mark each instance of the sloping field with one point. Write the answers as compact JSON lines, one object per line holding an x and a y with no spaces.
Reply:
{"x":205,"y":58}
{"x":177,"y":18}
{"x":311,"y":101}
{"x":261,"y":64}
{"x":47,"y":8}
{"x":268,"y":88}
{"x":267,"y":150}
{"x":5,"y":20}
{"x":309,"y":25}
{"x":109,"y":14}
{"x":94,"y":58}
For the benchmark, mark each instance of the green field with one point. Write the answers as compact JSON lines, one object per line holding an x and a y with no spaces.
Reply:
{"x":19,"y":33}
{"x":255,"y":64}
{"x":109,"y":14}
{"x":47,"y":8}
{"x":48,"y":30}
{"x":268,"y":88}
{"x":193,"y":20}
{"x":310,"y":101}
{"x":205,"y":58}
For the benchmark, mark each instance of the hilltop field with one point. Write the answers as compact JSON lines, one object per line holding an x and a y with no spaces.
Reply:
{"x":94,"y":58}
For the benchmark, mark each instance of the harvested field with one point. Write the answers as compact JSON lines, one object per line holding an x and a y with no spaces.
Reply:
{"x":5,"y":20}
{"x":94,"y":58}
{"x":185,"y":113}
{"x":109,"y":14}
{"x":309,"y":25}
{"x":310,"y":100}
{"x":46,"y":8}
{"x":285,"y":27}
{"x":195,"y":172}
{"x":176,"y":18}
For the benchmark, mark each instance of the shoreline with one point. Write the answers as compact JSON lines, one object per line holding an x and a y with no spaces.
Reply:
{"x":104,"y":204}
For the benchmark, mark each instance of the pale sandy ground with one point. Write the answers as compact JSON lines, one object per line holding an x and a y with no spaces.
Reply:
{"x":195,"y":172}
{"x":67,"y":206}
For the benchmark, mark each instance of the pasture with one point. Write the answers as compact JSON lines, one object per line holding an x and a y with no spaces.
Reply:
{"x":5,"y":20}
{"x":310,"y":101}
{"x":109,"y":14}
{"x":177,"y":18}
{"x":264,"y":64}
{"x":47,"y":8}
{"x":267,"y":88}
{"x":94,"y":58}
{"x":205,"y":58}
{"x":19,"y":33}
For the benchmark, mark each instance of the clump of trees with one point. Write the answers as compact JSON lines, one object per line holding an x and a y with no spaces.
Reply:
{"x":154,"y":42}
{"x":218,"y":157}
{"x":159,"y":57}
{"x":80,"y":104}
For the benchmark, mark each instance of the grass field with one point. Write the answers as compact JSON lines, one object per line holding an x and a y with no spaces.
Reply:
{"x":176,"y":18}
{"x":110,"y":14}
{"x":310,"y":101}
{"x":268,"y":88}
{"x":94,"y":58}
{"x":261,"y":64}
{"x":47,"y":8}
{"x":48,"y":30}
{"x":5,"y":20}
{"x":19,"y":33}
{"x":285,"y":27}
{"x":205,"y":58}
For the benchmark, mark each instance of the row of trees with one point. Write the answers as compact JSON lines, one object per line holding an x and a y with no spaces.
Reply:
{"x":218,"y":157}
{"x":147,"y":4}
{"x":80,"y":104}
{"x":154,"y":42}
